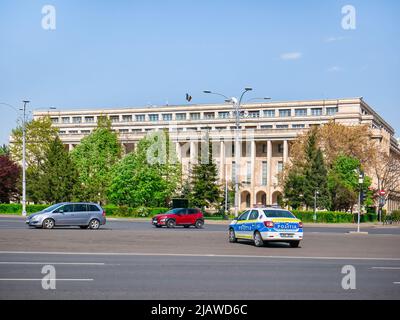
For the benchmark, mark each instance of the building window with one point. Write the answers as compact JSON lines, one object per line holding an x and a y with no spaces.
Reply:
{"x":191,"y":129}
{"x":284,"y":112}
{"x":180,"y":116}
{"x":248,"y":172}
{"x":269,"y":113}
{"x":54,"y":120}
{"x":254,"y":114}
{"x":282,"y":126}
{"x":153,"y":117}
{"x":264,"y":172}
{"x":140,"y":117}
{"x":89,"y":119}
{"x":85,"y":131}
{"x":223,"y":115}
{"x":209,"y":115}
{"x":280,"y":148}
{"x":195,"y":116}
{"x":123,"y":130}
{"x":73,"y":131}
{"x":279,"y":168}
{"x":136,"y":130}
{"x":316,"y":111}
{"x":127,"y":118}
{"x":65,"y":119}
{"x":220,"y":128}
{"x":266,"y":126}
{"x":298,"y":126}
{"x":300,"y":112}
{"x":76,"y":119}
{"x":332,"y":111}
{"x":61,"y":132}
{"x":114,"y":118}
{"x":167,"y":116}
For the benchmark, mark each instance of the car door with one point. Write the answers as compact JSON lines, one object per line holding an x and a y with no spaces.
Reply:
{"x":63,"y":215}
{"x":252,"y":223}
{"x":80,"y":214}
{"x":181,"y":216}
{"x":240,"y":229}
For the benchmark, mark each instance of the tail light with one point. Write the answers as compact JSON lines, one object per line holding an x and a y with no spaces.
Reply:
{"x":300,"y":224}
{"x":269,"y":224}
{"x":104,"y":213}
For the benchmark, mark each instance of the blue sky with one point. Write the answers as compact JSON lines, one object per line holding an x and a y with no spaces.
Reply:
{"x":131,"y":53}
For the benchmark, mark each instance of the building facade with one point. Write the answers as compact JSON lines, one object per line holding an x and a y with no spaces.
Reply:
{"x":267,"y":130}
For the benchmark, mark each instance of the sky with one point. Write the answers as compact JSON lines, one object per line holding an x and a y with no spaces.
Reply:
{"x":105,"y":54}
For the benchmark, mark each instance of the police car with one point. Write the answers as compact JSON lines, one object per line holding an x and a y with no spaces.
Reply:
{"x":267,"y":224}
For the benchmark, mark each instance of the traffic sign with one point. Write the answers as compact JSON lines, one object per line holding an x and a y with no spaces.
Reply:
{"x":382,"y":192}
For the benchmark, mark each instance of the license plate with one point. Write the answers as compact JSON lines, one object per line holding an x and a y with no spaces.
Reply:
{"x":287,"y":235}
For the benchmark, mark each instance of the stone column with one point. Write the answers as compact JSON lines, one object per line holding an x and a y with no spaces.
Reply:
{"x":269,"y":175}
{"x":222,"y":161}
{"x":253,"y":174}
{"x":193,"y":152}
{"x":178,"y":151}
{"x":285,"y":151}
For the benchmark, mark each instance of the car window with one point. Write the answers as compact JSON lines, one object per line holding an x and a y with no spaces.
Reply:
{"x":51,"y":208}
{"x":182,"y":211}
{"x":193,"y":211}
{"x":92,"y":207}
{"x":244,"y":215}
{"x":79,"y":207}
{"x":253,"y":215}
{"x":65,"y":208}
{"x":278,"y":214}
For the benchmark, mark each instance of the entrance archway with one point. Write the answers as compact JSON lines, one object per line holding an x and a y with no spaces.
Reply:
{"x":261,"y":198}
{"x":245,"y":200}
{"x":276,"y":198}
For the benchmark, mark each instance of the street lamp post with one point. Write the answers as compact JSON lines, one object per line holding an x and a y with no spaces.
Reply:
{"x":236,"y":105}
{"x":24,"y":159}
{"x":360,"y":183}
{"x":316,"y":192}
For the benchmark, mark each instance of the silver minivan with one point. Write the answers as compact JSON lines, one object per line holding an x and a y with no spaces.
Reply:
{"x":82,"y":214}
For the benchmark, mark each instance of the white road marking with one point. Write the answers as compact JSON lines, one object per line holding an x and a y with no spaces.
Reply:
{"x":55,"y":263}
{"x":386,"y":268}
{"x":16,"y":279}
{"x":396,"y":282}
{"x":197,"y":255}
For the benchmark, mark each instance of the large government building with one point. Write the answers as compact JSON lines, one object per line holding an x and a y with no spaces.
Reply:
{"x":267,"y":130}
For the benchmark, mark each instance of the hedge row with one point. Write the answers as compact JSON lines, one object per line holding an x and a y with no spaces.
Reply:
{"x":16,"y":208}
{"x":334,"y":217}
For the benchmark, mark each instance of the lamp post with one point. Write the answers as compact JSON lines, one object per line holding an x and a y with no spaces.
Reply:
{"x":24,"y":159}
{"x":360,"y":183}
{"x":236,"y":105}
{"x":316,"y":192}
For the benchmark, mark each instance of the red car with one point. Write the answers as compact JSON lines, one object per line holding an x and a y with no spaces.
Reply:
{"x":179,"y":217}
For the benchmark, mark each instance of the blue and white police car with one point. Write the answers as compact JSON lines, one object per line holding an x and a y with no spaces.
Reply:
{"x":265,"y":225}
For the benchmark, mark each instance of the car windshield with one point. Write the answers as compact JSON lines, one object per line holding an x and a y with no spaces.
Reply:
{"x":278,"y":214}
{"x":51,"y":208}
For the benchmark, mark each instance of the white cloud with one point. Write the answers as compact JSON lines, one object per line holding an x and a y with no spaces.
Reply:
{"x":291,"y":56}
{"x":335,"y":69}
{"x":334,"y":39}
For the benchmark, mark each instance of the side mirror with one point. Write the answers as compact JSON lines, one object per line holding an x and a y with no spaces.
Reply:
{"x":61,"y":211}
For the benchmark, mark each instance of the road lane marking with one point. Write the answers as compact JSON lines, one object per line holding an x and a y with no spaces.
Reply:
{"x":55,"y":263}
{"x":16,"y":279}
{"x":197,"y":255}
{"x":396,"y":282}
{"x":386,"y":268}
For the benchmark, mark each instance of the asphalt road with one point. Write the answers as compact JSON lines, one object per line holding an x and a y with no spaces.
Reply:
{"x":133,"y":260}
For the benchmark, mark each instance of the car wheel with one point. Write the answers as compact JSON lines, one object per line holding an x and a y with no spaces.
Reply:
{"x":171,"y":223}
{"x":294,"y":244}
{"x":258,"y":241}
{"x":199,"y":224}
{"x":94,"y":224}
{"x":232,"y":236}
{"x":48,"y":224}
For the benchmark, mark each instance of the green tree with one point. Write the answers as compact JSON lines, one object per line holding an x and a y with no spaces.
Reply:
{"x":57,"y":177}
{"x":39,"y":135}
{"x":343,"y":183}
{"x":147,"y":177}
{"x":4,"y":150}
{"x":206,"y":191}
{"x":294,"y":189}
{"x":94,"y":158}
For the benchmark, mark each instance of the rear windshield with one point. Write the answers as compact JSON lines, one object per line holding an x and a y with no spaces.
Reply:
{"x":278,"y":214}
